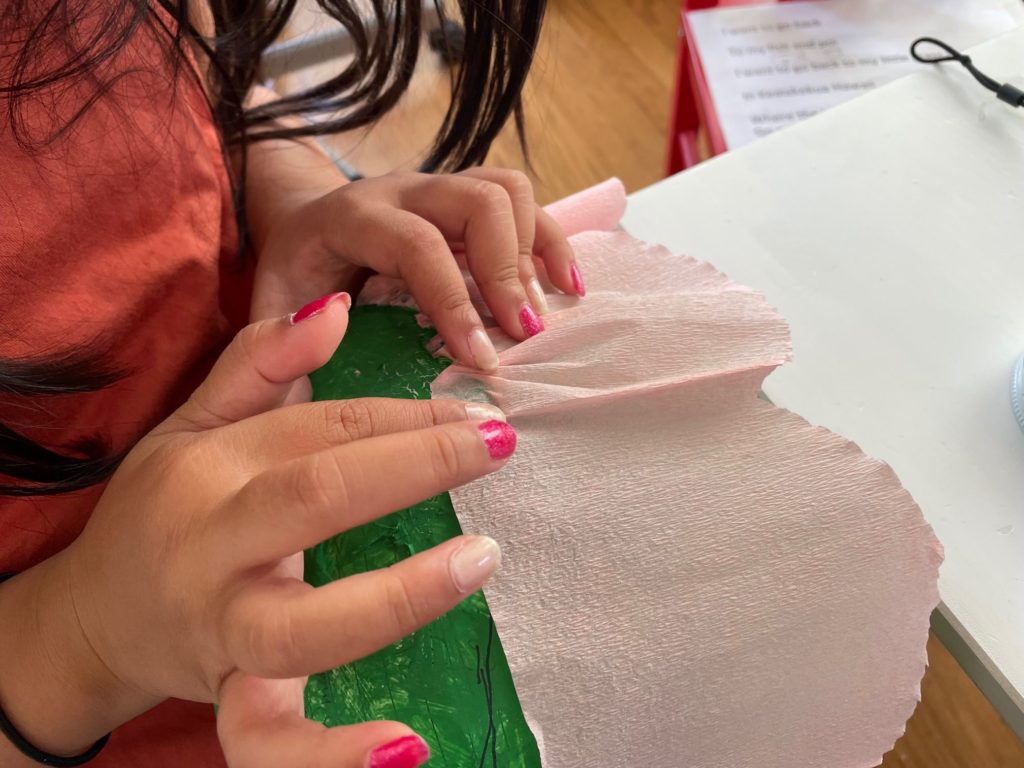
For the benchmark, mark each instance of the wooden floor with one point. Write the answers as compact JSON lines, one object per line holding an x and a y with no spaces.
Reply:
{"x":597,"y":107}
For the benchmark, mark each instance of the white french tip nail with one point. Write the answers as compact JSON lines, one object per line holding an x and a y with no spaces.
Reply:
{"x":480,"y":346}
{"x":473,"y":563}
{"x":484,"y":412}
{"x":537,"y":297}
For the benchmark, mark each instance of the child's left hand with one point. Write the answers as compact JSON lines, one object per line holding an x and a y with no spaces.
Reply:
{"x":410,"y":225}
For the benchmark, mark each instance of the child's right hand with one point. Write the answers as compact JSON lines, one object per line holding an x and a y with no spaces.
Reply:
{"x":187,"y":580}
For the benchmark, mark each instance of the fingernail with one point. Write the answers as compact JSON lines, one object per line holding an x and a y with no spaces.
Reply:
{"x":577,"y":280}
{"x":484,"y":412}
{"x":480,"y":346}
{"x":531,"y":323}
{"x":499,"y":438}
{"x":319,"y":305}
{"x":406,"y":752}
{"x":474,"y":562}
{"x":536,"y":294}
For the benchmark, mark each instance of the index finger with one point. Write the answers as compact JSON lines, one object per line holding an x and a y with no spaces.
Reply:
{"x":287,"y":433}
{"x":480,"y":214}
{"x":300,"y":503}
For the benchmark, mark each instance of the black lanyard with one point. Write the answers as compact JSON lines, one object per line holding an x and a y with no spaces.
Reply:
{"x":1004,"y":91}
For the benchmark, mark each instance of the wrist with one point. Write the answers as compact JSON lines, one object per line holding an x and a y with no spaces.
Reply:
{"x":282,"y":201}
{"x":287,"y":217}
{"x":294,"y":265}
{"x":54,"y":688}
{"x":288,"y":231}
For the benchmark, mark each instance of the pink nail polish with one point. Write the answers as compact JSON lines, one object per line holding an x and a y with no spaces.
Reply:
{"x":577,"y":281}
{"x":406,"y":752}
{"x":319,"y":305}
{"x":530,"y":320}
{"x":499,"y":438}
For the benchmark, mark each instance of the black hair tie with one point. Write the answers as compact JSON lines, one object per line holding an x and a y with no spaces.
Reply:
{"x":31,"y":752}
{"x":1011,"y":94}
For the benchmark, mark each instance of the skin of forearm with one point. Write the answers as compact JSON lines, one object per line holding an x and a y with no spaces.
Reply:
{"x":53,"y":687}
{"x":282,"y":175}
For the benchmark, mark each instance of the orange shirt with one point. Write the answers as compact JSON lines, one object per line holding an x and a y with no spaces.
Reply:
{"x":119,"y":233}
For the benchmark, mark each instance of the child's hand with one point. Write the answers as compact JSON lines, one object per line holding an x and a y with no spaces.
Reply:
{"x":409,"y":225}
{"x":187,"y":580}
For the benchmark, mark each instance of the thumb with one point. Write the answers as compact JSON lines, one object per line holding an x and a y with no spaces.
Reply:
{"x":261,"y":725}
{"x":258,"y":369}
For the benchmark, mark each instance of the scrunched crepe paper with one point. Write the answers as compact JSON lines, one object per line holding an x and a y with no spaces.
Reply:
{"x":450,"y":681}
{"x":692,"y":576}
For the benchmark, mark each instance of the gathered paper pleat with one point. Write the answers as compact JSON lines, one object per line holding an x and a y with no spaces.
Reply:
{"x":692,"y":577}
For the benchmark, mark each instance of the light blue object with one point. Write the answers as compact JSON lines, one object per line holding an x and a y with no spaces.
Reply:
{"x":1017,"y":392}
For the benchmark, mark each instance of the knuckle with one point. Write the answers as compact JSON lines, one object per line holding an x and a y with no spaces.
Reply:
{"x":490,"y":196}
{"x":446,"y":456}
{"x":349,"y":421}
{"x":438,"y":412}
{"x":362,"y":211}
{"x":244,"y":339}
{"x":420,"y":237}
{"x":272,"y":643}
{"x":518,"y":185}
{"x":504,"y":273}
{"x":404,"y":610}
{"x":248,"y":340}
{"x":318,"y":483}
{"x":453,"y":300}
{"x":199,"y":412}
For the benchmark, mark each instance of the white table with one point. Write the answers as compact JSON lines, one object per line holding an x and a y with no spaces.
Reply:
{"x":889,"y":232}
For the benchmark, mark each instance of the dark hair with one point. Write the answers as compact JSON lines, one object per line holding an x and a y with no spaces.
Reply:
{"x":499,"y":40}
{"x":34,"y":469}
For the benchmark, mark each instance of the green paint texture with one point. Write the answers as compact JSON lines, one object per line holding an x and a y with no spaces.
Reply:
{"x":449,"y":681}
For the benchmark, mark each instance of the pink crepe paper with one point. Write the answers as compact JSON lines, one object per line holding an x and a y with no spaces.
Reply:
{"x":598,"y":207}
{"x":692,"y":576}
